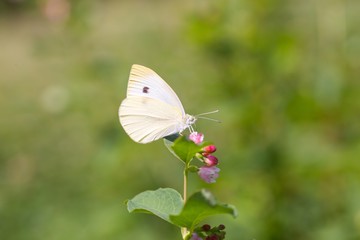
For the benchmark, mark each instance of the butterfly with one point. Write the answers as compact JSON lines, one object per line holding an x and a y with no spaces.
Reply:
{"x":151,"y":109}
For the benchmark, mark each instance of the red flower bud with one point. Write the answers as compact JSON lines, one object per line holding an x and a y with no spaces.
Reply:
{"x":211,"y":160}
{"x":205,"y":154}
{"x":206,"y":227}
{"x":213,"y":237}
{"x":209,"y":149}
{"x":221,"y":227}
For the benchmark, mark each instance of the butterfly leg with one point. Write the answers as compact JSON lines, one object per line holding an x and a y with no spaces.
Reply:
{"x":191,"y":129}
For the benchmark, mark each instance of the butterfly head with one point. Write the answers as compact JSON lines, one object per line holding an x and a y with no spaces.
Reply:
{"x":190,"y":120}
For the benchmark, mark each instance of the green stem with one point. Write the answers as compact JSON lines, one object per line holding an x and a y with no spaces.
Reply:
{"x":185,"y":184}
{"x":184,"y":231}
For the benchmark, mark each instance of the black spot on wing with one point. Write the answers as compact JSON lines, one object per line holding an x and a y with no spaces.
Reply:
{"x":146,"y":89}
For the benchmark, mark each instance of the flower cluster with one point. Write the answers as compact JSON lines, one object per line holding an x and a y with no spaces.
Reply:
{"x":209,"y":172}
{"x":206,"y":232}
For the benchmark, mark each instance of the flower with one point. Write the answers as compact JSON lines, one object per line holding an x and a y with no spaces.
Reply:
{"x":196,"y":137}
{"x":209,"y":174}
{"x":195,"y":237}
{"x":209,"y":149}
{"x":210,"y":160}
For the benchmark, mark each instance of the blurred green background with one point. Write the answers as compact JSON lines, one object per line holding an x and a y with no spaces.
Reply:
{"x":284,"y":75}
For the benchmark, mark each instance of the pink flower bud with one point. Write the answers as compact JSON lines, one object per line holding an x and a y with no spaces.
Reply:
{"x":196,"y":137}
{"x":211,"y":160}
{"x":209,"y":174}
{"x":209,"y":149}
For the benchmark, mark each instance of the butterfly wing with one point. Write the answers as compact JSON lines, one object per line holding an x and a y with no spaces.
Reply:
{"x":147,"y":119}
{"x":145,"y":82}
{"x":151,"y":110}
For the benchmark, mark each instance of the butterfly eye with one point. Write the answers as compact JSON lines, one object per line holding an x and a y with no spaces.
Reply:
{"x":146,"y":90}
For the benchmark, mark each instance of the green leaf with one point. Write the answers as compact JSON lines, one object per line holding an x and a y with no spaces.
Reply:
{"x":198,"y":207}
{"x":169,"y":143}
{"x":162,"y":202}
{"x":183,"y":148}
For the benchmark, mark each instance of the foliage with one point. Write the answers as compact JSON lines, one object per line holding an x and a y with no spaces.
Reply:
{"x":168,"y":204}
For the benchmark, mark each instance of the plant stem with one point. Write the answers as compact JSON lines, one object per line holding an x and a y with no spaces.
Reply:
{"x":185,"y":184}
{"x":184,"y":230}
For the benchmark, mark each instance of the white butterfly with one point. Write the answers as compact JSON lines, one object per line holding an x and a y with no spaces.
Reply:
{"x":151,"y":109}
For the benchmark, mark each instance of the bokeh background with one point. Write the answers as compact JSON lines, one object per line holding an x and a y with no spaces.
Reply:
{"x":284,"y":75}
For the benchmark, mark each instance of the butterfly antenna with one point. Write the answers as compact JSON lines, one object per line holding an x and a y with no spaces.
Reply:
{"x":211,"y":119}
{"x":207,"y":113}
